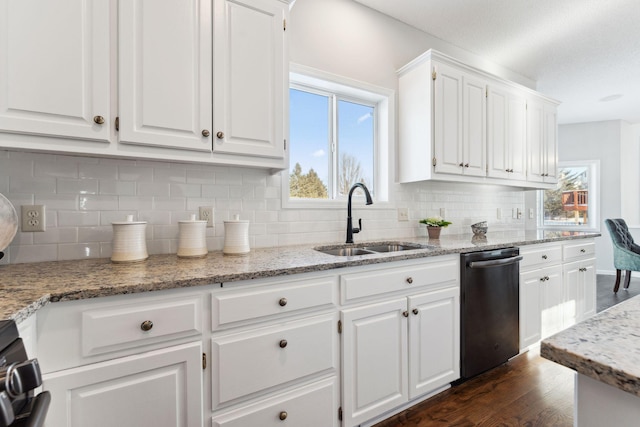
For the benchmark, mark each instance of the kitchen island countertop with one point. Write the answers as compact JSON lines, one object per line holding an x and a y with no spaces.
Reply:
{"x":24,"y":288}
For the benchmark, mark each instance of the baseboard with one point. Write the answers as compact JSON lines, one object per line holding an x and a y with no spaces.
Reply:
{"x":613,"y":273}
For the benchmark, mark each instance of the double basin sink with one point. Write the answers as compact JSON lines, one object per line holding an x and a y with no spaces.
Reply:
{"x":371,"y":248}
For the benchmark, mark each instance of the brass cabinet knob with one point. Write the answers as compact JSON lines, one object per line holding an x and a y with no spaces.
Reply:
{"x":282,"y":302}
{"x":220,"y":135}
{"x":283,"y":343}
{"x":546,"y":277}
{"x":544,"y":257}
{"x":146,"y":325}
{"x":409,"y":280}
{"x":583,"y":250}
{"x":415,"y":311}
{"x":405,"y":313}
{"x":205,"y":133}
{"x":461,"y":165}
{"x":283,"y":415}
{"x":466,"y":165}
{"x":98,"y":120}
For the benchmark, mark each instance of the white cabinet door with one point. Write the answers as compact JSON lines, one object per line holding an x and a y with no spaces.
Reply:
{"x":165,"y":95}
{"x":447,"y":114}
{"x":506,"y":134}
{"x":374,"y":364}
{"x":530,"y":299}
{"x":474,"y":119}
{"x":552,"y":313}
{"x":588,"y":291}
{"x":434,"y":340}
{"x":54,"y":68}
{"x":572,"y":282}
{"x":542,"y":142}
{"x":250,"y":77}
{"x":161,"y":388}
{"x":551,"y":143}
{"x":580,"y":291}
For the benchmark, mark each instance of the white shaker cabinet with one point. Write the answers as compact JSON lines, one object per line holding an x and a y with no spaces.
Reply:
{"x":251,"y":78}
{"x":542,"y":141}
{"x":459,"y":122}
{"x":165,"y":85}
{"x":55,"y":68}
{"x":506,"y":133}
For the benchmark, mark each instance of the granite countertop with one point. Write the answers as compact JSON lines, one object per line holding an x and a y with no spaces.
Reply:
{"x":605,"y":347}
{"x":24,"y":288}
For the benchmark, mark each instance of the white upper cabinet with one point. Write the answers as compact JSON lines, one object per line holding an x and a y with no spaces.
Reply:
{"x":506,"y":133}
{"x":251,"y":77}
{"x":54,"y":68}
{"x":164,"y":91}
{"x":542,"y":141}
{"x":459,"y":122}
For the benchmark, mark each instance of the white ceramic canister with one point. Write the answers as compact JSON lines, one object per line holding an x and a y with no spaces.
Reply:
{"x":192,"y":242}
{"x":129,"y":241}
{"x":236,"y":236}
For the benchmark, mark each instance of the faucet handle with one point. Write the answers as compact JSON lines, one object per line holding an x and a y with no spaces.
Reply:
{"x":359,"y":227}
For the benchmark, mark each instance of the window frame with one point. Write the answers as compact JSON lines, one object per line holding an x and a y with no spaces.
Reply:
{"x":344,"y":89}
{"x":593,"y":224}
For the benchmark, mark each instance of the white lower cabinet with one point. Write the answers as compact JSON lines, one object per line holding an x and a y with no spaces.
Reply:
{"x":580,"y":283}
{"x":402,"y":347}
{"x":161,"y":388}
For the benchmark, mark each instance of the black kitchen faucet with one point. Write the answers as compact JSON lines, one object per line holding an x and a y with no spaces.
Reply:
{"x":350,"y":229}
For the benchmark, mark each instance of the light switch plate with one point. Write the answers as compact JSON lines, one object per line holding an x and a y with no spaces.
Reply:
{"x":403,"y":214}
{"x":33,"y":218}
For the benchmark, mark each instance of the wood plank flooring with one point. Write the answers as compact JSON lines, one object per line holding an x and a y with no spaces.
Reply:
{"x":527,"y":391}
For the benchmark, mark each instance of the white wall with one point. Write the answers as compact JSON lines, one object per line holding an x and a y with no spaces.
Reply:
{"x":603,"y":141}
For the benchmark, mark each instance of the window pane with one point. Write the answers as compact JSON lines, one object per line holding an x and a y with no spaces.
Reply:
{"x":309,"y":143}
{"x":568,"y":204}
{"x":355,"y":146}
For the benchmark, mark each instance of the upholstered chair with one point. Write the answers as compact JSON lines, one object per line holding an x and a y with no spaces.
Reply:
{"x":626,"y":254}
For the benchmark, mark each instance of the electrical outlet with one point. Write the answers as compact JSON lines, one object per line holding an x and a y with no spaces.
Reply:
{"x":33,"y":218}
{"x":206,"y":214}
{"x":443,"y":213}
{"x":403,"y":214}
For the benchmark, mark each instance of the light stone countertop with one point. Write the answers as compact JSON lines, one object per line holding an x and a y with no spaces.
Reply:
{"x":24,"y":288}
{"x":605,"y":347}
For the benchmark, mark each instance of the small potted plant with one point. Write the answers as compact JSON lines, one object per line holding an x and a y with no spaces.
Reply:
{"x":434,"y":225}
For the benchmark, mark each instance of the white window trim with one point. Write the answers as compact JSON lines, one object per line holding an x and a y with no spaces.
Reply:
{"x":594,"y":194}
{"x":384,"y":101}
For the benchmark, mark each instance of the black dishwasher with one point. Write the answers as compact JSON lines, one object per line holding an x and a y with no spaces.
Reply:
{"x":489,"y":311}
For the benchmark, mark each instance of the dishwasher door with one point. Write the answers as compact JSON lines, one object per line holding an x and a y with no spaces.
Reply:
{"x":489,"y":311}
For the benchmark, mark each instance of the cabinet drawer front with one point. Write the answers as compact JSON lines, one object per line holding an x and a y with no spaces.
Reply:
{"x":255,"y":303}
{"x":310,"y":406}
{"x":540,"y":256}
{"x":380,"y":281}
{"x":110,"y":329}
{"x":252,"y":361}
{"x":576,"y":250}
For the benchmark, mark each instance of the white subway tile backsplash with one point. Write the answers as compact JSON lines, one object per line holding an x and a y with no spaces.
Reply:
{"x":91,"y":193}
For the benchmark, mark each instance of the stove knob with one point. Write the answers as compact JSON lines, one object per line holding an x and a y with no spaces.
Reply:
{"x":6,"y":410}
{"x":10,"y":383}
{"x":29,"y":374}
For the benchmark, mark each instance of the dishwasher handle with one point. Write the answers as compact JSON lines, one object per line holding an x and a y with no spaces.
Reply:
{"x":495,"y":262}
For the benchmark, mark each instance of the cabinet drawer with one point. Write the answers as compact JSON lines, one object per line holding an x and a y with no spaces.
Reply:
{"x":576,"y":250}
{"x":109,"y":329}
{"x":237,"y":305}
{"x":540,"y":256}
{"x":256,"y":360}
{"x":380,"y":281}
{"x":310,"y":406}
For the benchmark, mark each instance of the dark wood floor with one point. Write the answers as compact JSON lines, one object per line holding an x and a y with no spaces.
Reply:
{"x":526,"y":391}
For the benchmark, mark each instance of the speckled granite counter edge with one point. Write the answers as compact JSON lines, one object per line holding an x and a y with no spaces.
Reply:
{"x":83,"y":279}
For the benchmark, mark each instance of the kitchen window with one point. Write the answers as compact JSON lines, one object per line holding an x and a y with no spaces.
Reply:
{"x":338,"y":135}
{"x":574,"y":203}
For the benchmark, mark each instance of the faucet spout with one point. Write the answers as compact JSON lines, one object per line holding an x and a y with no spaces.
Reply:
{"x":350,"y":229}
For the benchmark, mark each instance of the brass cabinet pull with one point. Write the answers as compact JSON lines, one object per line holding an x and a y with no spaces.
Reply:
{"x":98,"y":120}
{"x":282,"y":302}
{"x":544,"y":257}
{"x":461,"y":165}
{"x":583,"y":250}
{"x":546,"y":277}
{"x":205,"y":133}
{"x":146,"y":325}
{"x":415,"y":311}
{"x":405,"y":313}
{"x":283,"y":415}
{"x":466,"y":165}
{"x":409,"y":280}
{"x":220,"y":135}
{"x":283,"y":343}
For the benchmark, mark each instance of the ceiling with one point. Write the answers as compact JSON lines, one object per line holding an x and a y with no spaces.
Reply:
{"x":584,"y":53}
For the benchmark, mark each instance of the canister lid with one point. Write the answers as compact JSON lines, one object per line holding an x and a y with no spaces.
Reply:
{"x":129,"y":221}
{"x":192,"y":219}
{"x":236,"y":219}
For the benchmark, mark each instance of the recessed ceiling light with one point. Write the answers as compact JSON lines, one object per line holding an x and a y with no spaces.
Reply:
{"x":611,"y":97}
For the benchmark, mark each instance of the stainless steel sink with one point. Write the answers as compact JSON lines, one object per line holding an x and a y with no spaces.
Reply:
{"x":370,"y":248}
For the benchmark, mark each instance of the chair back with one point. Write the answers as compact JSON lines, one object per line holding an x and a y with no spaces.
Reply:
{"x":620,"y":233}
